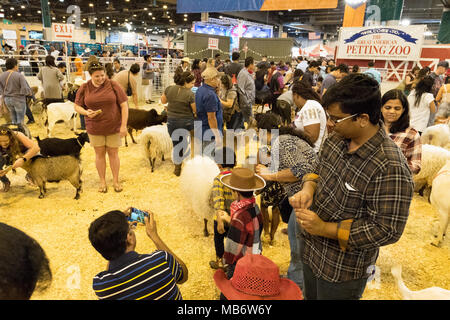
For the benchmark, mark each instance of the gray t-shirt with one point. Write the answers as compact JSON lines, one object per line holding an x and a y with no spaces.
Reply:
{"x":288,"y":97}
{"x":179,"y":102}
{"x":327,"y":82}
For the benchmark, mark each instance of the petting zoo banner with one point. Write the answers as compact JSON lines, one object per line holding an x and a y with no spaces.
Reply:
{"x":381,"y":43}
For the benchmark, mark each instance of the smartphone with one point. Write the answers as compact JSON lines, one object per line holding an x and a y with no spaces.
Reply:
{"x":137,"y":215}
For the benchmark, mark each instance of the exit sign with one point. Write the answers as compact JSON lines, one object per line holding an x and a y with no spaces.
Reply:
{"x":63,"y":31}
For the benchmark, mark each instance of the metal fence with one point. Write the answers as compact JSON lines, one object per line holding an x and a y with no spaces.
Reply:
{"x":29,"y":66}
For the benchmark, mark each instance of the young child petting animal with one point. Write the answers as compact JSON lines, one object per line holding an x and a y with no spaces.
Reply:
{"x":245,"y":220}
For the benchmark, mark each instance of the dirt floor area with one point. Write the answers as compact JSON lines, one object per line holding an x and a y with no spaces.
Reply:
{"x":60,"y":224}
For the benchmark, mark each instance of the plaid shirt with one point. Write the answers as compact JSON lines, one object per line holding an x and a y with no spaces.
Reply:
{"x":244,"y":235}
{"x":409,"y":142}
{"x":221,"y":196}
{"x":368,"y":192}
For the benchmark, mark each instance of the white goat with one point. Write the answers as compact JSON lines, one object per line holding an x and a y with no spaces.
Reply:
{"x":196,"y":181}
{"x":440,"y":200}
{"x":433,"y":293}
{"x":156,"y":143}
{"x":433,"y":159}
{"x":437,"y":135}
{"x":64,"y":111}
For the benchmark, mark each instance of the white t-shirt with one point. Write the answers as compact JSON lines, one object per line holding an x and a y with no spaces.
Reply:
{"x":419,"y":114}
{"x":312,"y":113}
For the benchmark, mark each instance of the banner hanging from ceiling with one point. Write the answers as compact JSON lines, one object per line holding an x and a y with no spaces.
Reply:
{"x":196,"y":6}
{"x":381,"y":43}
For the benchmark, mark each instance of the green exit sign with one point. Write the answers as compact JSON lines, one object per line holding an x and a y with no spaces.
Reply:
{"x":6,"y":21}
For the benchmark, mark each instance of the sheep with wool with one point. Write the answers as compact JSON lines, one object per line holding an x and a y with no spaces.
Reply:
{"x":439,"y":199}
{"x":437,"y":135}
{"x":52,"y":147}
{"x":196,"y":182}
{"x":54,"y":169}
{"x":61,"y":111}
{"x":156,"y":143}
{"x":433,"y":293}
{"x":433,"y":159}
{"x":140,"y":119}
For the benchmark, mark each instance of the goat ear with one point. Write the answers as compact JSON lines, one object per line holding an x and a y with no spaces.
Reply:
{"x":153,"y":112}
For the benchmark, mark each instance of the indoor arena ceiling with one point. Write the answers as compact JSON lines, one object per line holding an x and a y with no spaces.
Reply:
{"x":162,"y":14}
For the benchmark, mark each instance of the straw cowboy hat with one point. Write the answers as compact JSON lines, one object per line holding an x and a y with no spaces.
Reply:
{"x":186,"y":59}
{"x":243,"y":179}
{"x":256,"y":278}
{"x":211,"y":73}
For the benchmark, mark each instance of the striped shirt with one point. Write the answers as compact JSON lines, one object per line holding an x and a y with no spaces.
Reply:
{"x":244,"y":234}
{"x":409,"y":142}
{"x":369,"y":192}
{"x":135,"y":276}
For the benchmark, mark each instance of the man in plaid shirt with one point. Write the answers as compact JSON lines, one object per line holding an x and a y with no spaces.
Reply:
{"x":360,"y":199}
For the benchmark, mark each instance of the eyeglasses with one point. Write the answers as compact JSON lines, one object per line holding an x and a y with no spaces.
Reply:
{"x":336,"y":121}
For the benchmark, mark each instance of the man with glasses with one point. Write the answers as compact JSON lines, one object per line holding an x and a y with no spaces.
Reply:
{"x":358,"y":198}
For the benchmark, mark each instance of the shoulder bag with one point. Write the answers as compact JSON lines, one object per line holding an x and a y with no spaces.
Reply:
{"x":129,"y":89}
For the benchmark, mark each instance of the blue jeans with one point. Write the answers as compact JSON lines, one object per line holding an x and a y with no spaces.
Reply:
{"x":320,"y":289}
{"x":180,"y":139}
{"x":17,"y":107}
{"x":295,"y":270}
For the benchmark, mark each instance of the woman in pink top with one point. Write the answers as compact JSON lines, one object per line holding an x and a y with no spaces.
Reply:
{"x":105,"y":105}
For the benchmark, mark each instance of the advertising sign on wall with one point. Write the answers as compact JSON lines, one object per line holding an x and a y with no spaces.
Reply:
{"x":381,"y":43}
{"x":213,"y":43}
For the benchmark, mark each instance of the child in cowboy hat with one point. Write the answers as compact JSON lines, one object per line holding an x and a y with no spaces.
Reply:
{"x":245,"y":220}
{"x":256,"y":278}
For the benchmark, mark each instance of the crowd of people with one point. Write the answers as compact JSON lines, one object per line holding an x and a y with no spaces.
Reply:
{"x":341,"y":198}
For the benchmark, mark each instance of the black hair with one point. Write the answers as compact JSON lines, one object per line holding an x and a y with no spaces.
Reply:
{"x":62,"y":65}
{"x":223,"y":155}
{"x":423,"y":86}
{"x":249,"y":61}
{"x":24,"y":266}
{"x":355,"y":69}
{"x":267,"y":121}
{"x":293,"y":131}
{"x":95,"y":67}
{"x":146,"y":57}
{"x":371,"y":63}
{"x":235,"y":56}
{"x":50,"y":61}
{"x":109,"y":70}
{"x":135,"y":68}
{"x":117,"y":60}
{"x":423,"y":72}
{"x":10,"y":63}
{"x":356,"y":94}
{"x":195,"y":64}
{"x":320,"y":79}
{"x":343,"y":68}
{"x":217,"y":55}
{"x":305,"y":91}
{"x":298,"y":73}
{"x":108,"y":234}
{"x":226,"y":81}
{"x":245,"y":194}
{"x":181,"y":78}
{"x":403,"y":122}
{"x":314,"y":64}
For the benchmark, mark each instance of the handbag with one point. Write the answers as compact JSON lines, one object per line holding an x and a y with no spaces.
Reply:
{"x":129,"y":89}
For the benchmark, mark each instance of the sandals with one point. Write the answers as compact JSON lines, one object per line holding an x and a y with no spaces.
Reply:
{"x":118,"y":188}
{"x":103,"y":189}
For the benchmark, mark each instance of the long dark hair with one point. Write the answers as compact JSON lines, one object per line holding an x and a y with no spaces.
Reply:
{"x":423,"y":86}
{"x":50,"y":61}
{"x":403,"y":122}
{"x":293,"y":131}
{"x":195,"y":64}
{"x":109,"y":70}
{"x":306,"y":92}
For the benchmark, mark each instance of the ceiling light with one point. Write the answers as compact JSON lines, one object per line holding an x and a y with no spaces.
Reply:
{"x":12,"y":8}
{"x":23,"y":7}
{"x":153,"y":18}
{"x":164,"y":6}
{"x":91,"y":4}
{"x":185,"y":15}
{"x":185,"y":19}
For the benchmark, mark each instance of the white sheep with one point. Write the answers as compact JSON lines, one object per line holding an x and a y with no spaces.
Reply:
{"x":64,"y":111}
{"x":433,"y":293}
{"x":437,"y":135}
{"x":433,"y":159}
{"x":196,"y":182}
{"x":156,"y":143}
{"x":440,"y":201}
